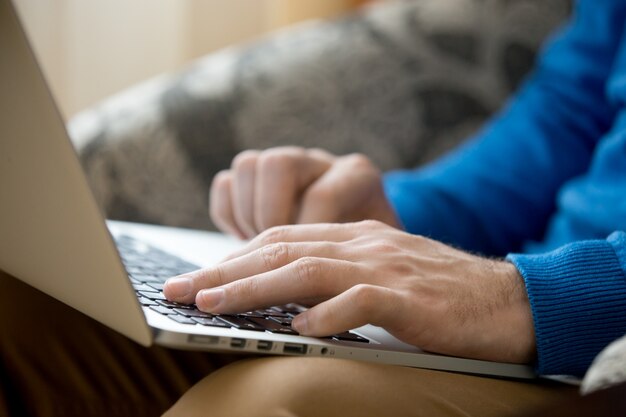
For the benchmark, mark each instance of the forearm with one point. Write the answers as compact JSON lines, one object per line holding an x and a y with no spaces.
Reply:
{"x":499,"y":189}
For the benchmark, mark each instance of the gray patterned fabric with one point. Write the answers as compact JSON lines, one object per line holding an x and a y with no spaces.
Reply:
{"x":607,"y":369}
{"x":401,"y":81}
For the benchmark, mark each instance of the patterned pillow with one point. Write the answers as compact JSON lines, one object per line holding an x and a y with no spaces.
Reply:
{"x":607,"y":369}
{"x":401,"y":81}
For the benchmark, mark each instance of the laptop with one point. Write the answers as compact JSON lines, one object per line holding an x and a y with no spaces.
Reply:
{"x":55,"y":238}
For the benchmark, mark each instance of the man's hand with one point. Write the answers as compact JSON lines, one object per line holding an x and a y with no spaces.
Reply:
{"x":292,"y":185}
{"x":423,"y":292}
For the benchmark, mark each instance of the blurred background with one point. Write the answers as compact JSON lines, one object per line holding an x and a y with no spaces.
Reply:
{"x":402,"y":82}
{"x":91,"y":49}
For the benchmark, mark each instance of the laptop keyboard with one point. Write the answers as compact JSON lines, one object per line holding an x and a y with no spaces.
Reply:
{"x":148,"y":268}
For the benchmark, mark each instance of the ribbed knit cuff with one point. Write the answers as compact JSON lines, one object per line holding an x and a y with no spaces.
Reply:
{"x":577,"y":295}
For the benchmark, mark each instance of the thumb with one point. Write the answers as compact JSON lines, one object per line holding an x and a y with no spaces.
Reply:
{"x":350,"y":190}
{"x":360,"y":305}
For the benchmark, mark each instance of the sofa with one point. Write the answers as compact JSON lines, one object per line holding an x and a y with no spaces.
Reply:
{"x":400,"y":81}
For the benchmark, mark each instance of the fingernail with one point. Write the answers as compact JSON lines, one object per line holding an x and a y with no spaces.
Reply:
{"x":179,"y":287}
{"x":209,"y":299}
{"x":300,"y":323}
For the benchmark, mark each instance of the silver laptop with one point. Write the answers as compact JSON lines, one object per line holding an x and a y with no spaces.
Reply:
{"x":54,"y":237}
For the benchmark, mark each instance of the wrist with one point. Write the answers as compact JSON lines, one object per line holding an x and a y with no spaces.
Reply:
{"x":520,"y":331}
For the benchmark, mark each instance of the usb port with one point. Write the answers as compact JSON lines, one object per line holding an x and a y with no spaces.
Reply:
{"x":295,"y":348}
{"x":264,"y":345}
{"x":237,"y":343}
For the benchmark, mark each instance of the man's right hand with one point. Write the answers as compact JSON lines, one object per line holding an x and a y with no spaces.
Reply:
{"x":291,"y":185}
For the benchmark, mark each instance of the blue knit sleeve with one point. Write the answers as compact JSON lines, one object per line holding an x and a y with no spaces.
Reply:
{"x":577,"y":295}
{"x":499,"y":189}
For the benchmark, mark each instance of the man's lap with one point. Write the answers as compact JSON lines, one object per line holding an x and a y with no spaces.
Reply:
{"x":72,"y":365}
{"x":281,"y":387}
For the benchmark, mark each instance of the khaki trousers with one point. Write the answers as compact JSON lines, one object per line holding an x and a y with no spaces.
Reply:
{"x":73,"y":366}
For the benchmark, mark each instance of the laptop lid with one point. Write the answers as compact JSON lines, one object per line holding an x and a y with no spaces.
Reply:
{"x":53,"y":234}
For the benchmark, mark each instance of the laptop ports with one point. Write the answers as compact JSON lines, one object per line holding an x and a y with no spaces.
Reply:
{"x":295,"y":348}
{"x":237,"y":342}
{"x":264,"y":345}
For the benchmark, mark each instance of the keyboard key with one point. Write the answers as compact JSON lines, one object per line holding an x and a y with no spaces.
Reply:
{"x":292,"y":308}
{"x":152,"y":295}
{"x":148,"y":269}
{"x":156,"y":285}
{"x":262,"y":312}
{"x":192,"y":312}
{"x":272,"y":326}
{"x":146,"y":278}
{"x":163,"y":310}
{"x":172,"y":304}
{"x":284,"y":321}
{"x":143,"y":287}
{"x":241,"y":323}
{"x":184,"y":267}
{"x":182,"y":319}
{"x":210,"y":321}
{"x":272,"y":313}
{"x":350,"y":337}
{"x":164,"y":275}
{"x":265,"y":323}
{"x":133,"y":269}
{"x":146,"y":301}
{"x":250,"y":314}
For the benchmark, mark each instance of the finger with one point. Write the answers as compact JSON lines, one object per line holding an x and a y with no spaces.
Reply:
{"x":242,"y":195}
{"x":360,"y":305}
{"x":184,"y":288}
{"x":281,"y":175}
{"x":326,"y":232}
{"x":300,"y":281}
{"x":340,"y":192}
{"x":220,"y":204}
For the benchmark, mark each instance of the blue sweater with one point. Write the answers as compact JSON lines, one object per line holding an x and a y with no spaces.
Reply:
{"x":545,"y":184}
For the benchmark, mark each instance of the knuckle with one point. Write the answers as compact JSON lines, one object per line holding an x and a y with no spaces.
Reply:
{"x":365,"y":297}
{"x":219,"y":275}
{"x":210,"y":277}
{"x":273,"y":235}
{"x":358,"y":160}
{"x":244,"y":287}
{"x":245,"y":159}
{"x":320,"y":154}
{"x":371,"y":224}
{"x":402,"y":268}
{"x":221,"y":179}
{"x":385,"y":246}
{"x":275,"y":255}
{"x":307,"y":268}
{"x":279,"y":159}
{"x":421,"y":239}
